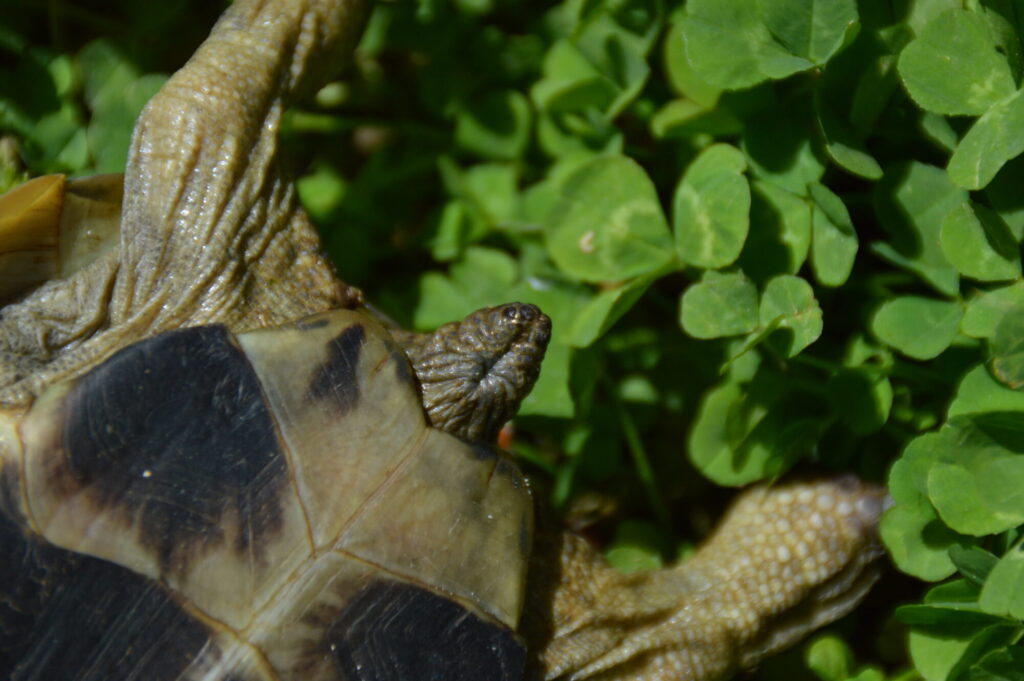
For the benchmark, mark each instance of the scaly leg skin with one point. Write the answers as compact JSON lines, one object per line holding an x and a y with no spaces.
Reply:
{"x":786,"y":560}
{"x":211,"y":230}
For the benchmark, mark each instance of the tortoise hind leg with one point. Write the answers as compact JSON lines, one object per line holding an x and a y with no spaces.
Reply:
{"x":211,"y":230}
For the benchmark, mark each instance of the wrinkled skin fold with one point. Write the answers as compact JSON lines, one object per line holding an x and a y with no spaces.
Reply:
{"x":211,"y":232}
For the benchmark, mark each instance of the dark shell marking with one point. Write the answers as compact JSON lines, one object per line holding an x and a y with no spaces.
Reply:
{"x":174,"y":432}
{"x":392,"y":631}
{"x":403,"y":371}
{"x":336,"y":380}
{"x":70,"y":617}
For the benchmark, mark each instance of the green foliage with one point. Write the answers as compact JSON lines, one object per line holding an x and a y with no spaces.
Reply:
{"x":768,"y":233}
{"x":720,"y":305}
{"x":831,"y":659}
{"x":711,"y":209}
{"x":607,"y":224}
{"x":918,"y":327}
{"x":953,"y":66}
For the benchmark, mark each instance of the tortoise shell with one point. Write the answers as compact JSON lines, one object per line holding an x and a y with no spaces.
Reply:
{"x":51,"y":227}
{"x":267,"y":505}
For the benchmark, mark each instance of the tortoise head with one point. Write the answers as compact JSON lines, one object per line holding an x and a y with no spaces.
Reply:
{"x":475,"y":372}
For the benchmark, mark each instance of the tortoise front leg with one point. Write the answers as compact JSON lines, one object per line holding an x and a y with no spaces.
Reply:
{"x":785,"y":560}
{"x":211,"y":230}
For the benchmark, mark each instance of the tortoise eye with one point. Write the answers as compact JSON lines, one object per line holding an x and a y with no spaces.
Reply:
{"x":520,"y":312}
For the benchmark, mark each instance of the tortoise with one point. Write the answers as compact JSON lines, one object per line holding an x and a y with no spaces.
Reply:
{"x":217,"y":463}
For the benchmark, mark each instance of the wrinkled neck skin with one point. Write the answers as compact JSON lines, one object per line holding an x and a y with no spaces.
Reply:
{"x":211,"y":230}
{"x":785,"y":560}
